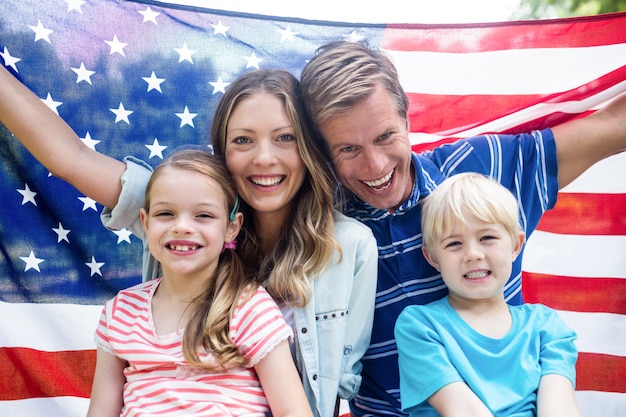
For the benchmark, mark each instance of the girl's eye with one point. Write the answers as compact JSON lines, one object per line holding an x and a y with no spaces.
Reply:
{"x":205,"y":216}
{"x":163,"y":214}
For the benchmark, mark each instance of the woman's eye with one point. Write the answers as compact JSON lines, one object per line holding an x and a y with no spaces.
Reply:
{"x":286,"y":138}
{"x":241,"y":140}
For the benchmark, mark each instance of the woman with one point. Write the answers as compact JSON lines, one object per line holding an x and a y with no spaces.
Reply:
{"x":319,"y":265}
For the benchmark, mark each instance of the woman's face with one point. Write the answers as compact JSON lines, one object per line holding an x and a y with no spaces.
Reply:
{"x":262,"y":155}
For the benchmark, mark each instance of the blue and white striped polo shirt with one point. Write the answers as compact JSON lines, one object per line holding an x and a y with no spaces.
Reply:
{"x":526,"y":164}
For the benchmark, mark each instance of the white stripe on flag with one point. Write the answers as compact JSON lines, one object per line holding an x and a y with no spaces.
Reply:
{"x":575,"y":255}
{"x":601,"y":404}
{"x":520,"y":71}
{"x":49,"y":327}
{"x":597,"y":332}
{"x":54,"y":407}
{"x":606,"y":177}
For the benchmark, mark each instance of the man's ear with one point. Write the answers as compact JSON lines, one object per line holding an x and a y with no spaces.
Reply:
{"x":234,"y":227}
{"x":430,"y":258}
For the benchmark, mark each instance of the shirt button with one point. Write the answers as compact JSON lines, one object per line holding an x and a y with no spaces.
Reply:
{"x":304,"y":330}
{"x":315,"y":377}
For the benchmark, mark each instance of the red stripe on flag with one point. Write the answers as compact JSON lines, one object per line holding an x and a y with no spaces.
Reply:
{"x":596,"y":372}
{"x":580,"y":32}
{"x":592,"y":295}
{"x":603,"y":214}
{"x":447,"y":115}
{"x":29,"y":373}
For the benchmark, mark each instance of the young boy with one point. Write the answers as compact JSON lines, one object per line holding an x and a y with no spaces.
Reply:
{"x":471,"y":351}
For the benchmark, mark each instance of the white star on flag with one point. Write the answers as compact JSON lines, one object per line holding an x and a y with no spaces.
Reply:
{"x":83,"y":73}
{"x":353,"y":37}
{"x":9,"y":61}
{"x":156,"y":149}
{"x":123,"y":235}
{"x":95,"y":266}
{"x":32,"y":262}
{"x":121,"y":114}
{"x":28,"y":195}
{"x":186,"y":118}
{"x":219,"y":28}
{"x":154,"y":83}
{"x":219,"y":86}
{"x":88,"y":203}
{"x":52,"y":105}
{"x":185,"y":53}
{"x":74,"y":5}
{"x":149,"y":15}
{"x":89,"y":142}
{"x":116,"y":46}
{"x":253,"y":61}
{"x":41,"y":32}
{"x":61,"y":233}
{"x":286,"y":34}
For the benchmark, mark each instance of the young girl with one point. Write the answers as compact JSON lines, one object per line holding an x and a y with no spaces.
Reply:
{"x":471,"y":353}
{"x":204,"y":339}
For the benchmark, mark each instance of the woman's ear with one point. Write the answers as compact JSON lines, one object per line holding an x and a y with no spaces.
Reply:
{"x":430,"y":258}
{"x":234,"y":227}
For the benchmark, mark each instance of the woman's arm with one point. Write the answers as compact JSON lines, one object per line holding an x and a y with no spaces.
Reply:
{"x":555,"y":397}
{"x":55,"y":145}
{"x":281,"y":383}
{"x":108,"y":386}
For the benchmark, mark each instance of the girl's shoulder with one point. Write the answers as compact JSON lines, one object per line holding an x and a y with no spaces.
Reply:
{"x":349,"y":228}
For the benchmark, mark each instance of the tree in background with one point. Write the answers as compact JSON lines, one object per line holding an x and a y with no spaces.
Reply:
{"x":548,"y":9}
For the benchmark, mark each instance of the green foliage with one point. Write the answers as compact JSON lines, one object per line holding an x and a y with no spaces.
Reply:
{"x":548,"y":9}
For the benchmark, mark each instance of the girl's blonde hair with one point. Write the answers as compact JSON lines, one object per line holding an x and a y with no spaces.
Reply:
{"x":307,"y":241}
{"x":208,"y":326}
{"x":474,"y":193}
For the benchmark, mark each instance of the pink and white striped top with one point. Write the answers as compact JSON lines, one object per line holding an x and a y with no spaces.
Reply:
{"x":158,"y":379}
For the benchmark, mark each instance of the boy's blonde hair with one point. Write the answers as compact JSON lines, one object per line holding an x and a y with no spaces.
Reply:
{"x":474,"y":193}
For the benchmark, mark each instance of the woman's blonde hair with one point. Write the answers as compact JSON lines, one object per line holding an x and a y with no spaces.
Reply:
{"x":208,"y":327}
{"x":307,"y":242}
{"x":476,"y":194}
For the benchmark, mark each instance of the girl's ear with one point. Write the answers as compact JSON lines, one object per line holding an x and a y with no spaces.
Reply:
{"x":234,"y":227}
{"x":430,"y":258}
{"x":143,"y":216}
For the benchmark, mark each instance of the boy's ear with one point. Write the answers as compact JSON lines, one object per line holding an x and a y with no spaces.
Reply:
{"x":430,"y":258}
{"x":518,"y":244}
{"x":234,"y":227}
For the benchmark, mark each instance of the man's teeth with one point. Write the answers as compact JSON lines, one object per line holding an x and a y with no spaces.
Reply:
{"x":183,"y":248}
{"x":476,"y":274}
{"x":379,"y":182}
{"x":265,"y":181}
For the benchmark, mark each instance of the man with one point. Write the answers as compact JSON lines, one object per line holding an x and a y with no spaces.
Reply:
{"x":355,"y":100}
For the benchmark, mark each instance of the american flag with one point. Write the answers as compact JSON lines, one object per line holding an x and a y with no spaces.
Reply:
{"x":142,"y":78}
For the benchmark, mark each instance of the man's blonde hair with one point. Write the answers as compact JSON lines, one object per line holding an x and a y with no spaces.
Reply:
{"x":479,"y":195}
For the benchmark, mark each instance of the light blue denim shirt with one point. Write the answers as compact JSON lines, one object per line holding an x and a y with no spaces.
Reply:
{"x":332,"y":330}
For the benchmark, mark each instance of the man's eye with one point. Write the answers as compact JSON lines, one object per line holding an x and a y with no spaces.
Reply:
{"x":384,"y":136}
{"x":347,"y":149}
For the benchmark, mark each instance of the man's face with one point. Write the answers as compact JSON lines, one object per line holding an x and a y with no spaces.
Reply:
{"x":371,"y":151}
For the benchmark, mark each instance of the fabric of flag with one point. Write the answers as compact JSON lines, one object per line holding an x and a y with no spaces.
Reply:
{"x":142,"y":78}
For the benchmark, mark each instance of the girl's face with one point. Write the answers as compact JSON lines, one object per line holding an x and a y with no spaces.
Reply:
{"x":475,"y":259}
{"x":188,"y":222}
{"x":262,"y":155}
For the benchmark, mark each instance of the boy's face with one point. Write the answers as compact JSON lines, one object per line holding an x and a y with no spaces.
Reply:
{"x":475,"y":259}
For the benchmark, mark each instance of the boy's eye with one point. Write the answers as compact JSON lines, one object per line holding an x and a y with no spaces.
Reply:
{"x":452,"y":244}
{"x":488,"y":237}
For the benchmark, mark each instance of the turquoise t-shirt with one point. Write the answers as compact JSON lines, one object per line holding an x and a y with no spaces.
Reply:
{"x":436,"y":347}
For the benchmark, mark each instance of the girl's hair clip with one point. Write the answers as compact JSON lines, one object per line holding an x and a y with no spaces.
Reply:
{"x":233,"y":213}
